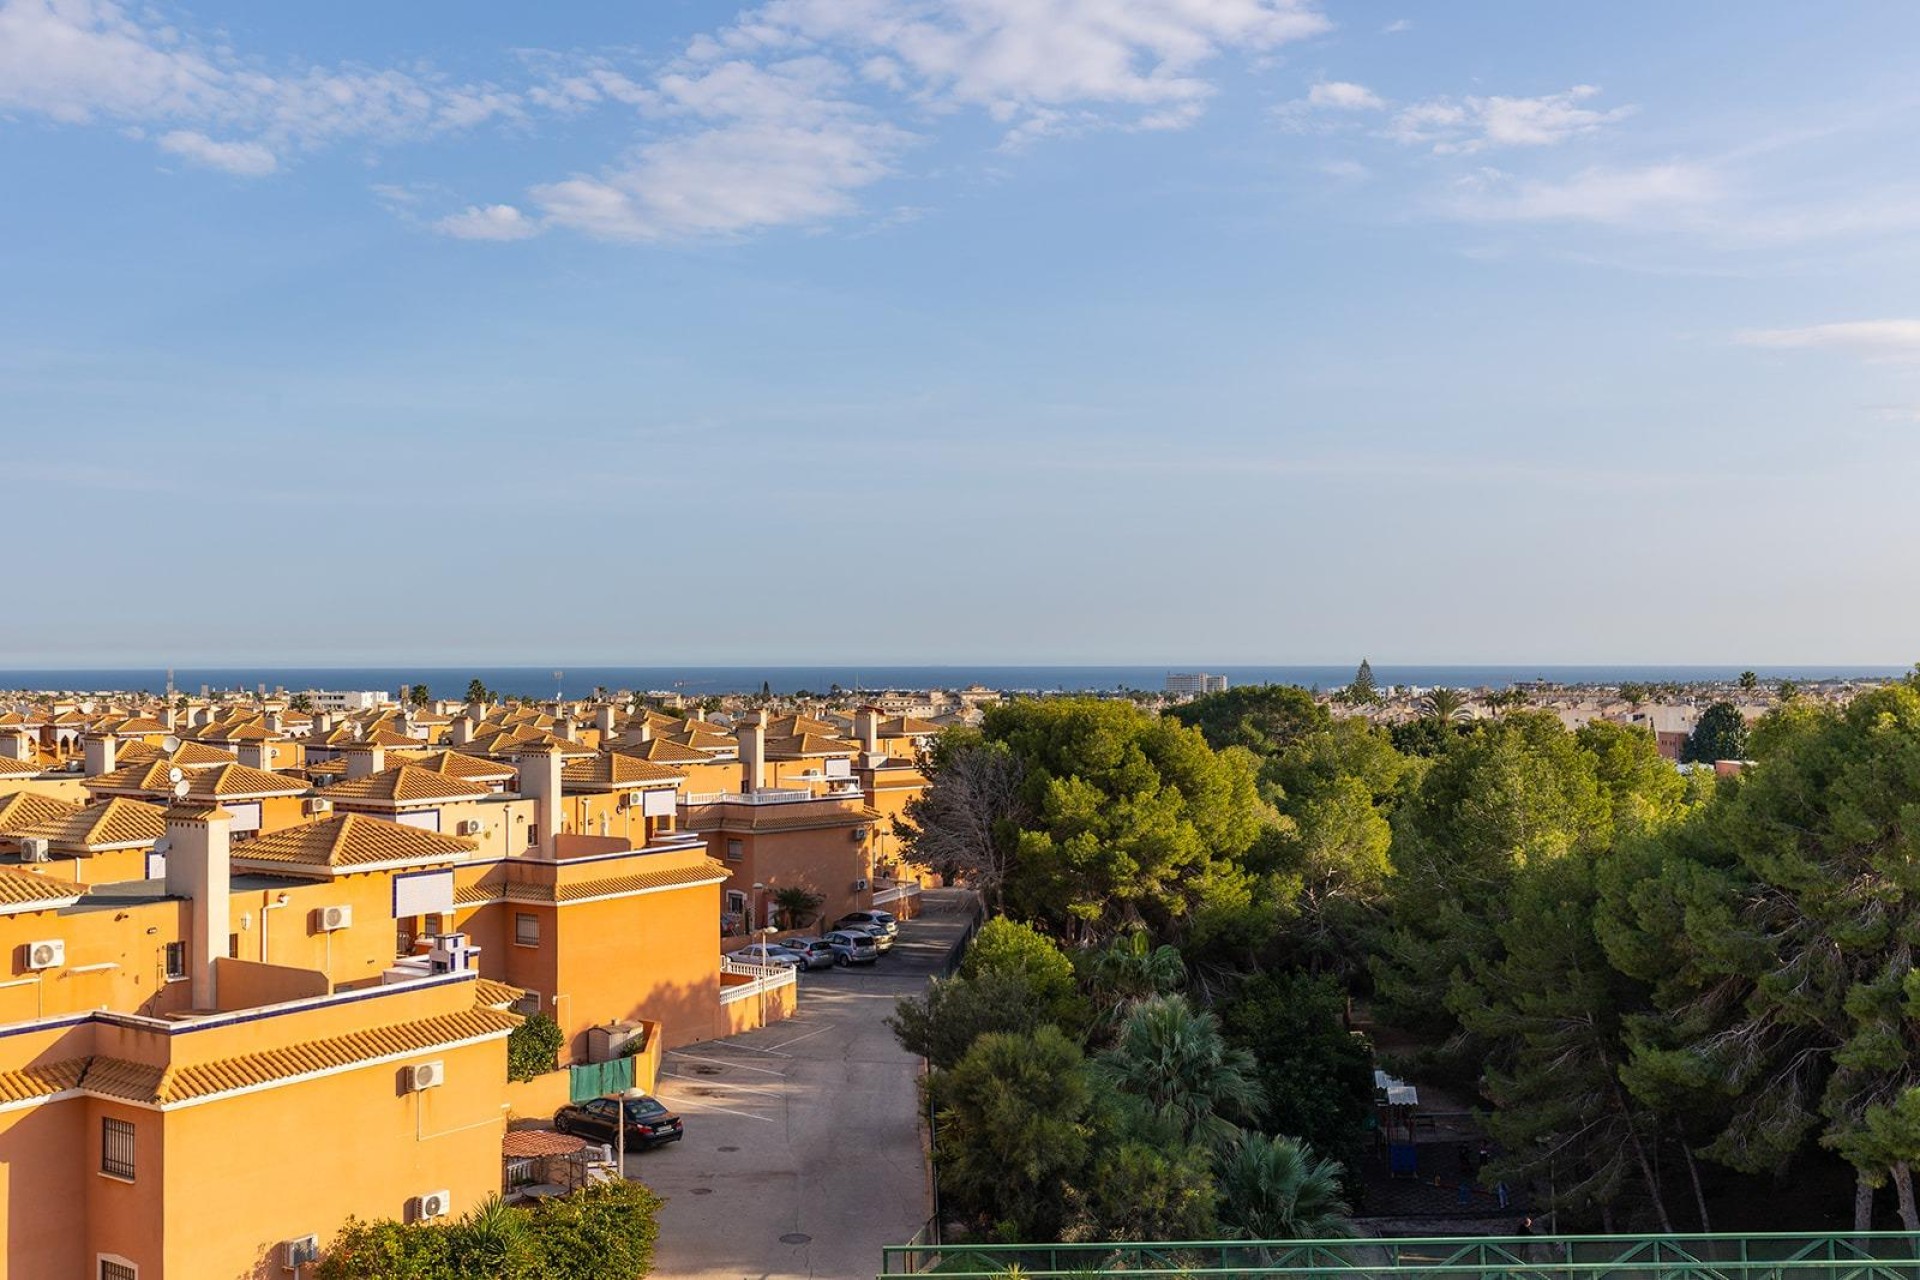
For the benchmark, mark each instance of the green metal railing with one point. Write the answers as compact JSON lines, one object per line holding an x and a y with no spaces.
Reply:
{"x":1877,"y":1255}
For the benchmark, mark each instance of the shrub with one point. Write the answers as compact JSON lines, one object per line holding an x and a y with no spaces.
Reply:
{"x":533,"y":1047}
{"x":604,"y":1232}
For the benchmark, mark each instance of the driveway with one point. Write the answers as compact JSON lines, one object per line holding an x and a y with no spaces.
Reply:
{"x":803,"y":1153}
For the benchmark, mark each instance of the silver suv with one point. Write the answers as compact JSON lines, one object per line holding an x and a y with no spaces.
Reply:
{"x":852,"y":948}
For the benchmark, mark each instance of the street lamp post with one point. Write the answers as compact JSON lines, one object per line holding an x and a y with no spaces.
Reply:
{"x":766,"y":940}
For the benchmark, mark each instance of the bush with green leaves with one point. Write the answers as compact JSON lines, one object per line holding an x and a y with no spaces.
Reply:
{"x":533,"y":1047}
{"x":603,"y":1232}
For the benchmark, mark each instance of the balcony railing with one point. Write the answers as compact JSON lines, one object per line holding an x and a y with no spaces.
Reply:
{"x":1883,"y":1255}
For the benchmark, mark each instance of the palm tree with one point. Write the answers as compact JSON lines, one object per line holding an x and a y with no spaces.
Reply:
{"x":1278,"y":1189}
{"x":1444,"y":705}
{"x":1173,"y":1059}
{"x":1128,"y":970}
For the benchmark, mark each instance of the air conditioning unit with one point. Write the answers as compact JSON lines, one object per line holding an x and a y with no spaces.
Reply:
{"x":434,"y":1204}
{"x":860,"y":886}
{"x":34,"y":849}
{"x":470,"y":827}
{"x":46,"y":955}
{"x":426,"y":1075}
{"x":332,"y":919}
{"x":317,"y":804}
{"x":636,"y":799}
{"x":302,"y":1251}
{"x":857,"y":834}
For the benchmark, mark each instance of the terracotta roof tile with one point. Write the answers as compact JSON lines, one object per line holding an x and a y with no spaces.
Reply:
{"x":489,"y":994}
{"x":104,"y":824}
{"x":10,"y":767}
{"x":808,"y":745}
{"x":19,"y":887}
{"x":706,"y":872}
{"x":527,"y":1144}
{"x":42,"y":1081}
{"x":28,"y":808}
{"x":405,"y":784}
{"x":618,"y":770}
{"x":472,"y":768}
{"x":664,"y":751}
{"x":349,"y":840}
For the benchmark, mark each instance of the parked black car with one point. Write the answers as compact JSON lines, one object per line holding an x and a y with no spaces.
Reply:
{"x":649,"y":1123}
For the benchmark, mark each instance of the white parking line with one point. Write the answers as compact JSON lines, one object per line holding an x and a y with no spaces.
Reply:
{"x":722,"y":1062}
{"x":707,"y":1106}
{"x":737,"y":1088}
{"x":797,"y":1039}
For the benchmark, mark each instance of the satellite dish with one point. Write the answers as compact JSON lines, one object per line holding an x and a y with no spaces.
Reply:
{"x":169,"y":744}
{"x":181,"y":788}
{"x":163,"y":846}
{"x":174,"y":774}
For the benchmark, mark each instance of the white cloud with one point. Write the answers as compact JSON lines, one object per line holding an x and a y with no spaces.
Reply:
{"x":248,"y":159}
{"x":1671,"y":194}
{"x":1015,"y":58}
{"x":1342,"y":95}
{"x":783,"y":116}
{"x":1346,"y":170}
{"x":488,"y":222}
{"x":1398,"y":25}
{"x":1876,"y":340}
{"x":1462,"y":126}
{"x":81,"y":61}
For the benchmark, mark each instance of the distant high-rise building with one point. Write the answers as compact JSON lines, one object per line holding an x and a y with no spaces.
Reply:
{"x":1195,"y":682}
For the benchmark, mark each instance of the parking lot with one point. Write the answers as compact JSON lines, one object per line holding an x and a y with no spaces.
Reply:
{"x":802,"y":1153}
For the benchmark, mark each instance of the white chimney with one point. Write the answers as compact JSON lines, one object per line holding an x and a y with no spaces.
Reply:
{"x":603,"y":720}
{"x":539,"y":770}
{"x":16,"y":745}
{"x":273,"y":722}
{"x":255,"y":753}
{"x":477,"y":710}
{"x":364,"y":759}
{"x":753,"y":752}
{"x":202,"y":717}
{"x":100,"y":751}
{"x":866,"y":727}
{"x":199,"y":869}
{"x":322,"y":723}
{"x":462,"y":732}
{"x":167,"y":716}
{"x":646,"y":728}
{"x":566,"y":728}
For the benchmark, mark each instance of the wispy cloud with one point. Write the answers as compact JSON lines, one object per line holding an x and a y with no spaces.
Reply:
{"x":1343,"y":95}
{"x":488,"y":222}
{"x":1874,"y":340}
{"x":248,"y":159}
{"x":782,"y":116}
{"x":1599,"y":194}
{"x":1462,"y":126}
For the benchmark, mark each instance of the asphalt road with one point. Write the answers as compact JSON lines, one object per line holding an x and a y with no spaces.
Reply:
{"x":803,"y":1152}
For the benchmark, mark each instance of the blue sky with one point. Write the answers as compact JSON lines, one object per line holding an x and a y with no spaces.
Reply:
{"x":1187,"y":331}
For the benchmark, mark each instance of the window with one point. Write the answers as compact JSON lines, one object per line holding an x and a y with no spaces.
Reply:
{"x":114,"y":1269}
{"x":176,"y":961}
{"x":116,"y":1148}
{"x":736,"y":850}
{"x":526,"y":929}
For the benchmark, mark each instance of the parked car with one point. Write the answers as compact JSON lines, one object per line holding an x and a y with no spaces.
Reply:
{"x":852,"y":948}
{"x":817,"y":952}
{"x":869,"y":920}
{"x":649,"y":1123}
{"x":770,"y":953}
{"x":882,"y":940}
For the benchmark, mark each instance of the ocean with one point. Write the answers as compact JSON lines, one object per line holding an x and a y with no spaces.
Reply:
{"x":451,"y":682}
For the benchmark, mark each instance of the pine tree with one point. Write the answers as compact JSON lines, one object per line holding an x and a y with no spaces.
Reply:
{"x":1363,"y":690}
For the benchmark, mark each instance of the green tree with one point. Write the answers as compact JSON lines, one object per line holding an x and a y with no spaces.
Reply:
{"x":1013,"y":1131}
{"x":1131,"y":818}
{"x":1646,"y":791}
{"x":1138,"y":1190}
{"x":300,"y":702}
{"x":1518,"y":791}
{"x":942,"y":1023}
{"x":1131,"y":969}
{"x":1264,"y":718}
{"x":1720,"y":734}
{"x":1174,"y":1060}
{"x":1278,"y":1189}
{"x":1315,"y":1076}
{"x":418,"y":696}
{"x":1775,"y":931}
{"x":477,"y":691}
{"x":1549,"y":1012}
{"x":1749,"y":681}
{"x":1017,"y":950}
{"x":1362,"y":691}
{"x":797,"y":905}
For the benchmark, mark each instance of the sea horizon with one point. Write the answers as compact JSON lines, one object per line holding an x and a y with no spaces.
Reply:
{"x":706,"y":680}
